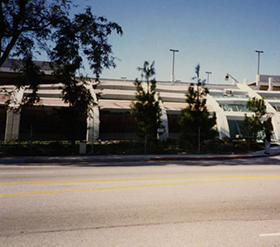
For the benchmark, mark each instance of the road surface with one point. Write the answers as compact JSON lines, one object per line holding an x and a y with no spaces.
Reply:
{"x":160,"y":204}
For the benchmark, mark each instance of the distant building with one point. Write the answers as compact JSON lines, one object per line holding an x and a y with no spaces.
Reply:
{"x":111,"y":117}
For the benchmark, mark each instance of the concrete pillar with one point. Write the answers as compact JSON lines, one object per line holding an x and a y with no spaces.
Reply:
{"x":93,"y":124}
{"x":93,"y":118}
{"x":270,"y":84}
{"x":12,"y":125}
{"x":13,"y":115}
{"x":275,"y":119}
{"x":164,"y":119}
{"x":222,"y":123}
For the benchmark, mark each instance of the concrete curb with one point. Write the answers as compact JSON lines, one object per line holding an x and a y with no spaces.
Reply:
{"x":73,"y":159}
{"x":110,"y":159}
{"x":216,"y":157}
{"x":127,"y":158}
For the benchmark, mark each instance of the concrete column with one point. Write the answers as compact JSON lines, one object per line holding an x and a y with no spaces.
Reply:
{"x":222,"y":123}
{"x":164,"y":119}
{"x":12,"y":125}
{"x":270,"y":84}
{"x":93,"y":124}
{"x":93,"y":118}
{"x":13,"y":115}
{"x":275,"y":119}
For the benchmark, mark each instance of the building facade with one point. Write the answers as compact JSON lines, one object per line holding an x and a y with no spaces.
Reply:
{"x":110,"y":118}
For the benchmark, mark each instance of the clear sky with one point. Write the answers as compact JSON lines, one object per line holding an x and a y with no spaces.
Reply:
{"x":221,"y":35}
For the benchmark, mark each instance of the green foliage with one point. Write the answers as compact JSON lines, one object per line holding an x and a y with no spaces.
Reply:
{"x":145,"y":109}
{"x":30,"y":75}
{"x":257,"y":106}
{"x":195,"y":121}
{"x":253,"y":126}
{"x":27,"y":24}
{"x":83,"y":36}
{"x":28,"y":27}
{"x":55,"y":148}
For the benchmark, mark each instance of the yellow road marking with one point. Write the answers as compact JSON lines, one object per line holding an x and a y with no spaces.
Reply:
{"x":137,"y":179}
{"x":141,"y":186}
{"x":270,"y":234}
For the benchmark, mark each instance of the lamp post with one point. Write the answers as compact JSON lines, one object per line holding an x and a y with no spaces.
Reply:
{"x":208,"y":73}
{"x":230,"y":76}
{"x":172,"y":76}
{"x":259,"y":52}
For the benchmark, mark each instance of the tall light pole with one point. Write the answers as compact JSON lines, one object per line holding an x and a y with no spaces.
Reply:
{"x":208,"y":73}
{"x":259,"y":52}
{"x":172,"y":76}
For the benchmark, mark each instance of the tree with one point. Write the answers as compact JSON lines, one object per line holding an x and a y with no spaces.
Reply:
{"x":145,"y":109}
{"x":31,"y":75}
{"x":195,"y":121}
{"x":29,"y":27}
{"x":253,"y":126}
{"x":26,"y":24}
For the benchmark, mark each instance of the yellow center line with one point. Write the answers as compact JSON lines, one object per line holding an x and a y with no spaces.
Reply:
{"x":138,"y":179}
{"x":140,"y":186}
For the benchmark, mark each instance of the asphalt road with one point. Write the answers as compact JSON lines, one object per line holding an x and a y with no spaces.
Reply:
{"x":159,"y":204}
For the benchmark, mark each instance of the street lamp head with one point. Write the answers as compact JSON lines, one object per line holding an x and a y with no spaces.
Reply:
{"x":173,"y":50}
{"x":259,"y":51}
{"x":226,"y":77}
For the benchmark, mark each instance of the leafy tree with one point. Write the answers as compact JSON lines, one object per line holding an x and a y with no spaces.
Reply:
{"x":29,"y":27}
{"x":30,"y":75}
{"x":146,"y":110}
{"x":195,"y":121}
{"x":253,"y":126}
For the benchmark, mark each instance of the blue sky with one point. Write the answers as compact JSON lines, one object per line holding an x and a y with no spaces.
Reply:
{"x":221,"y":35}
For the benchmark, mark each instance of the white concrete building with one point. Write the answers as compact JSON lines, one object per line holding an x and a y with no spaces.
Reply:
{"x":110,"y":117}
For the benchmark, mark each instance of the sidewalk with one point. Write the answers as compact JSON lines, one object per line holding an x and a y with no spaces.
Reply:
{"x":133,"y":158}
{"x":273,"y":152}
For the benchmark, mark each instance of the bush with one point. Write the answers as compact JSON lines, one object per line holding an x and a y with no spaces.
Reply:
{"x":60,"y":148}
